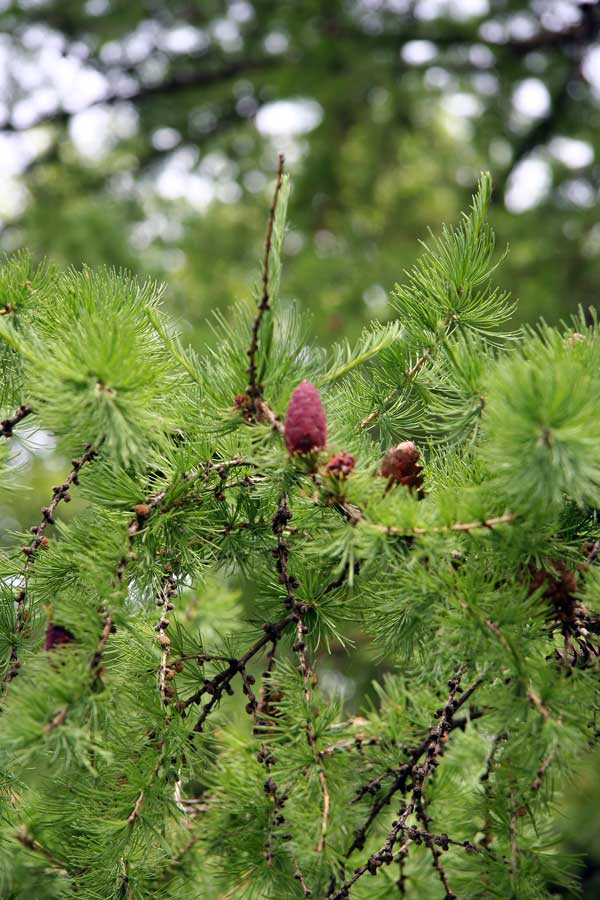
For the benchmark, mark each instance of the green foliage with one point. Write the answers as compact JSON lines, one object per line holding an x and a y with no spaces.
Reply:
{"x":449,"y":288}
{"x":540,"y":421}
{"x":206,"y":561}
{"x":109,"y":368}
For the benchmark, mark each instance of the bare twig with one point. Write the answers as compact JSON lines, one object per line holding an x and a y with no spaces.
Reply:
{"x":125,"y":880}
{"x":26,"y":840}
{"x":217,"y":686}
{"x":254,"y":390}
{"x":401,"y":775}
{"x":431,"y":841}
{"x":280,"y":520}
{"x":167,"y":592}
{"x":299,"y":877}
{"x":545,"y":764}
{"x":455,"y":526}
{"x":7,"y":425}
{"x":60,"y":492}
{"x":432,"y":748}
{"x":514,"y":850}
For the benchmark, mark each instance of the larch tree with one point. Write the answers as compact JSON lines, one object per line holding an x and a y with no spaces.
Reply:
{"x":433,"y":490}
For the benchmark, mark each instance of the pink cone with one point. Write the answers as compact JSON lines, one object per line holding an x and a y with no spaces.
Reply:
{"x":305,"y":425}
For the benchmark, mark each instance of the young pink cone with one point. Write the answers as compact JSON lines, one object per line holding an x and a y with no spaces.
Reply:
{"x":400,"y":465}
{"x":340,"y":465}
{"x":305,"y":425}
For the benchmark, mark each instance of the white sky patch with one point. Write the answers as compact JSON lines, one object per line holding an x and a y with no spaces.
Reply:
{"x":456,"y":9}
{"x":468,"y":9}
{"x":197,"y":190}
{"x":17,"y":151}
{"x":437,"y":77}
{"x":97,"y":7}
{"x":50,"y":80}
{"x":96,"y":131}
{"x":591,"y":69}
{"x":276,"y":42}
{"x":375,"y":298}
{"x":227,"y":33}
{"x":493,"y":31}
{"x":485,"y":83}
{"x":571,"y":153}
{"x":139,"y":43}
{"x":13,"y":199}
{"x":528,"y":185}
{"x":531,"y":98}
{"x":185,"y":39}
{"x":289,"y":117}
{"x":164,"y":139}
{"x":255,"y":181}
{"x":241,"y":11}
{"x":185,"y":177}
{"x":40,"y":36}
{"x":481,"y":56}
{"x":522,"y":26}
{"x":559,"y":15}
{"x":462,"y":105}
{"x":216,"y":165}
{"x":578,"y":192}
{"x":415,"y":53}
{"x":500,"y":152}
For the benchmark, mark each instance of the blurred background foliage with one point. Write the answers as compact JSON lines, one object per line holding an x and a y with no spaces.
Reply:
{"x":144,"y":134}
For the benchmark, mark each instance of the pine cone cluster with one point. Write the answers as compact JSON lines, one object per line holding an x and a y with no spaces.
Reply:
{"x":340,"y":465}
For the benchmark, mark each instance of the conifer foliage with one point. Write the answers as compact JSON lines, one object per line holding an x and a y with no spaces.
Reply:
{"x":432,"y":491}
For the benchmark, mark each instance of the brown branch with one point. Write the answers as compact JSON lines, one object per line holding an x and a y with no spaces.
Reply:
{"x":490,"y":523}
{"x":355,"y":743}
{"x":108,"y":628}
{"x":7,"y":425}
{"x":419,"y":772}
{"x":218,"y":685}
{"x":536,"y":701}
{"x":201,"y":472}
{"x":135,"y":812}
{"x":30,"y":843}
{"x":57,"y":720}
{"x":266,"y":757}
{"x":431,"y":841}
{"x":439,"y":840}
{"x":355,"y":515}
{"x":432,"y":747}
{"x":135,"y":525}
{"x":125,"y":880}
{"x":264,"y":413}
{"x":299,"y":877}
{"x":485,"y":779}
{"x":60,"y":492}
{"x":167,"y":592}
{"x":401,"y":857}
{"x":280,"y":520}
{"x":539,"y":775}
{"x":514,"y":850}
{"x":254,"y":390}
